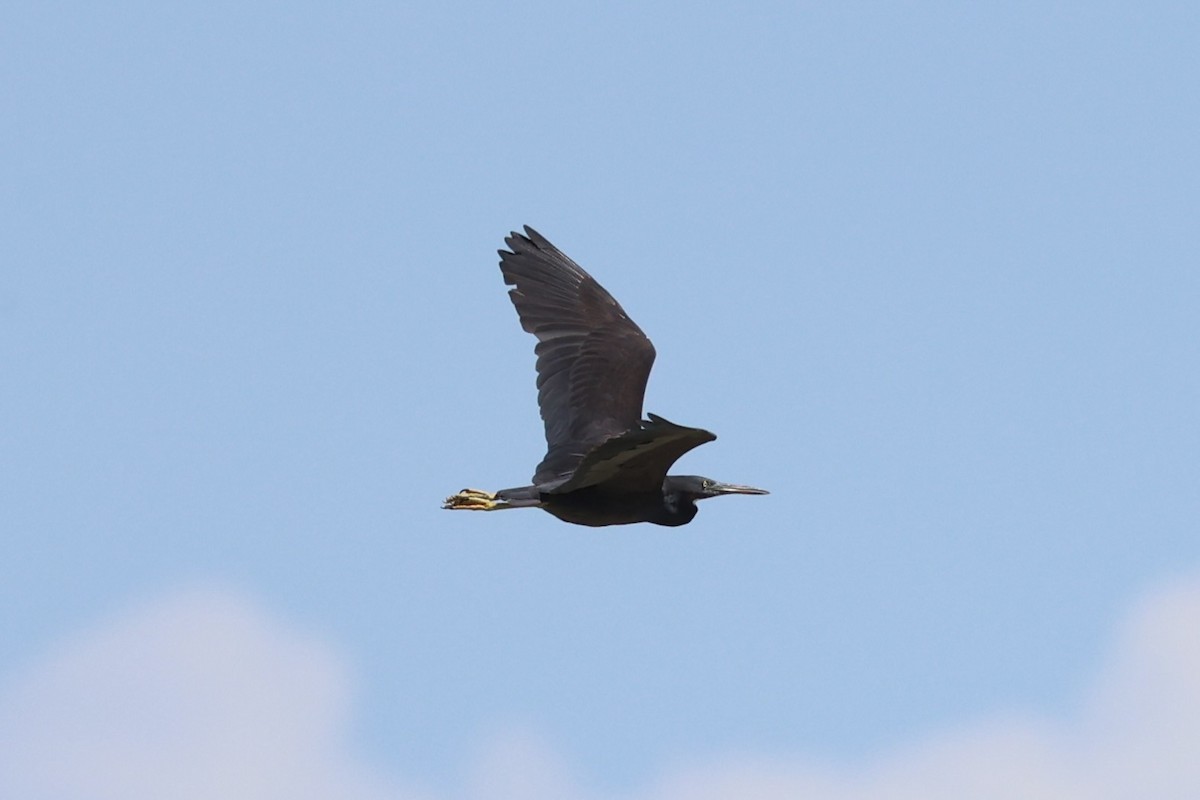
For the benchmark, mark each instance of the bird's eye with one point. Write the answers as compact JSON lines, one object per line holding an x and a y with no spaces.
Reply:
{"x":706,"y":484}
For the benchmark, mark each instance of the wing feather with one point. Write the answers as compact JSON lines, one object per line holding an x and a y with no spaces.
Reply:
{"x":593,"y":361}
{"x":636,"y":460}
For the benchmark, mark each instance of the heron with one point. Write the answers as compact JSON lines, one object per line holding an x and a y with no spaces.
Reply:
{"x":604,"y":464}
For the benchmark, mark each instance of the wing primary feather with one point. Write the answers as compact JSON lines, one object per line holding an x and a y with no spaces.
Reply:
{"x":593,"y":361}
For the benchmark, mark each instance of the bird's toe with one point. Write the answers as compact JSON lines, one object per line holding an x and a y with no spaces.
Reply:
{"x":471,"y":500}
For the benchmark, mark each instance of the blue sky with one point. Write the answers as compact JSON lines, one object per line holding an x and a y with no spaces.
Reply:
{"x":929,"y":271}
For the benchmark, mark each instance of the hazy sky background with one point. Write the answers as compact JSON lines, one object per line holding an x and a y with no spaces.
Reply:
{"x":931,"y":271}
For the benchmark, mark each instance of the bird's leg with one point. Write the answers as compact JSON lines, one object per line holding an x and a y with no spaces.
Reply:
{"x":473,"y":500}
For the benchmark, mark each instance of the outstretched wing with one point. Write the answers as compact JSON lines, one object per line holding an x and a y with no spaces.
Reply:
{"x":593,"y":361}
{"x":635,"y":461}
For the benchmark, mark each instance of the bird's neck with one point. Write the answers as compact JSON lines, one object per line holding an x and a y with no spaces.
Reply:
{"x":677,"y":509}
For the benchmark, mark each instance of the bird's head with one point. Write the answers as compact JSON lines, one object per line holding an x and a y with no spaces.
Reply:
{"x":696,"y":487}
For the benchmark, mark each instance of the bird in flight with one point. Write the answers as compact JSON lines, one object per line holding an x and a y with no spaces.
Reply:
{"x":604,"y":464}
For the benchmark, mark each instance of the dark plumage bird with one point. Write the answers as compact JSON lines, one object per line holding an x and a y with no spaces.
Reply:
{"x":604,"y":464}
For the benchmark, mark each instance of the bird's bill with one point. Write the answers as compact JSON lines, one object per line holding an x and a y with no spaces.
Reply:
{"x":734,"y":488}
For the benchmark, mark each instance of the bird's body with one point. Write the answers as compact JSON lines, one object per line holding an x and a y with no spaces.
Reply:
{"x":596,"y":507}
{"x":604,"y":464}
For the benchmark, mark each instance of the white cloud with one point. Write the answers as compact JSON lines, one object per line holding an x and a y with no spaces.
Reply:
{"x":204,"y":695}
{"x":519,"y":764}
{"x":1137,"y":736}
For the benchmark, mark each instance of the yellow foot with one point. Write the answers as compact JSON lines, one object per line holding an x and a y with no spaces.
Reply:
{"x":472,"y":500}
